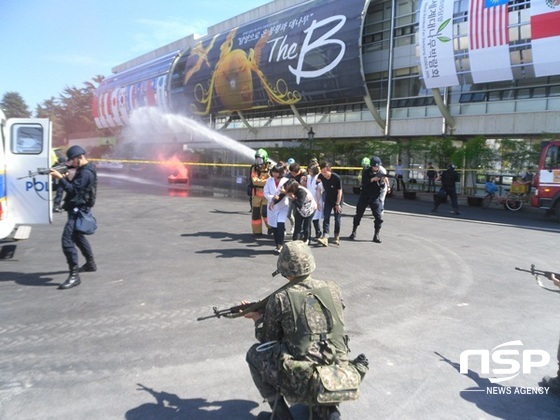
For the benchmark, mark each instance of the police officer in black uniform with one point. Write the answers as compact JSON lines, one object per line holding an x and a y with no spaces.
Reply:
{"x":448,"y":178}
{"x":80,"y":195}
{"x":373,"y":185}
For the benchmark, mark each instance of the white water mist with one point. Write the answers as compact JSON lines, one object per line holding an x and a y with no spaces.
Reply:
{"x":149,"y":123}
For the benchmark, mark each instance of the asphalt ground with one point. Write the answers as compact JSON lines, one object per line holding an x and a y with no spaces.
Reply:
{"x":126,"y":342}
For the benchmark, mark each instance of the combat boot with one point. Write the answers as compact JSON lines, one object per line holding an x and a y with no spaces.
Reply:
{"x":280,"y":410}
{"x":89,"y":265}
{"x":376,"y":238}
{"x":72,"y":280}
{"x":326,"y":412}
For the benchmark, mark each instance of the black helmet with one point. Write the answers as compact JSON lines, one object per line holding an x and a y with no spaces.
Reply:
{"x":375,"y":161}
{"x":75,"y":151}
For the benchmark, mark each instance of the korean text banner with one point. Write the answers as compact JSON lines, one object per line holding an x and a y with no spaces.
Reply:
{"x":307,"y":53}
{"x":435,"y":37}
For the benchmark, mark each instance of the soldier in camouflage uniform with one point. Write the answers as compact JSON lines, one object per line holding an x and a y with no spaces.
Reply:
{"x":302,"y":327}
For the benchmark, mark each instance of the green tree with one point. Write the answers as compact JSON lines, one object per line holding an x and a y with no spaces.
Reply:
{"x":71,"y":113}
{"x":77,"y":112}
{"x":52,"y":110}
{"x":441,"y":150}
{"x":14,"y":106}
{"x":517,"y":155}
{"x":475,"y":154}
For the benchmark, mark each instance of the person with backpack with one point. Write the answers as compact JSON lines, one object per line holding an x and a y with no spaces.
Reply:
{"x":260,"y":172}
{"x":302,"y":342}
{"x":448,"y":178}
{"x":80,"y":197}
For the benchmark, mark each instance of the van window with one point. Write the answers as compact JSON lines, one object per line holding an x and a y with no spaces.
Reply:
{"x":27,"y":139}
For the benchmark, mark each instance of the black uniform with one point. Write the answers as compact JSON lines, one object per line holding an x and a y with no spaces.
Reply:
{"x":370,"y":195}
{"x":448,"y":179}
{"x":80,"y":195}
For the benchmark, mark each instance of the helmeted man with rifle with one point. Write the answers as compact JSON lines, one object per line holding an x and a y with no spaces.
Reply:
{"x":80,"y":196}
{"x":302,"y":343}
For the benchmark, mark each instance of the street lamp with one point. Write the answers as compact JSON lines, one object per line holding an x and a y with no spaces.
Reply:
{"x":310,"y":134}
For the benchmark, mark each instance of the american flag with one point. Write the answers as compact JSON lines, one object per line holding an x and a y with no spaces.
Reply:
{"x":488,"y":23}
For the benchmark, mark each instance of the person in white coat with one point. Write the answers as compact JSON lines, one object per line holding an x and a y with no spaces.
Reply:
{"x":278,"y":205}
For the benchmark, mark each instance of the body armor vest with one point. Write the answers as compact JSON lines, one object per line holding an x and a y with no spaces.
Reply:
{"x":316,"y":320}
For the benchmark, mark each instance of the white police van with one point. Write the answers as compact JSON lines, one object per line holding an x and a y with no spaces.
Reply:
{"x":25,"y":195}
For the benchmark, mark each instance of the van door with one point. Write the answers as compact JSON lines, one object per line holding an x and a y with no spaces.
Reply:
{"x":27,"y":148}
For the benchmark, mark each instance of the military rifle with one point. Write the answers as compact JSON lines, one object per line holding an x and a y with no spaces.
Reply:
{"x":245,"y":308}
{"x":537,"y":273}
{"x":63,"y":169}
{"x":236,"y":311}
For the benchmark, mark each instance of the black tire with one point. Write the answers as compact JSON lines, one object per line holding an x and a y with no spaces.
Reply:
{"x":513,"y":202}
{"x":487,"y":200}
{"x":556,"y":211}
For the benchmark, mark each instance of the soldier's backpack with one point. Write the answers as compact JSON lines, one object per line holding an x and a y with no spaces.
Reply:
{"x":335,"y":380}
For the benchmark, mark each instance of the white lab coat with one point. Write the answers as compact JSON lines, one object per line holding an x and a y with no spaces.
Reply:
{"x":312,"y":186}
{"x":277,"y":213}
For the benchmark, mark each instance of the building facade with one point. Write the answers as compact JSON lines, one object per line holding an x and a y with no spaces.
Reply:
{"x":347,"y":69}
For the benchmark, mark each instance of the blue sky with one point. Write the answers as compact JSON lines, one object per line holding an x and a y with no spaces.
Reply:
{"x":50,"y":44}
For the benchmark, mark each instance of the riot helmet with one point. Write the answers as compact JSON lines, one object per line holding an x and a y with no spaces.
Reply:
{"x":295,"y":260}
{"x":375,"y":161}
{"x":75,"y":151}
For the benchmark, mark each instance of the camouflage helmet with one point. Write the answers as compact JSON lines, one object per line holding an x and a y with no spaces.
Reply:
{"x":295,"y":260}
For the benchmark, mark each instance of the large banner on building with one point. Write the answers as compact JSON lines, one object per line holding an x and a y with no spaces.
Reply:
{"x":545,"y":36}
{"x":435,"y":37}
{"x":306,"y":53}
{"x":489,"y":45}
{"x":489,"y":41}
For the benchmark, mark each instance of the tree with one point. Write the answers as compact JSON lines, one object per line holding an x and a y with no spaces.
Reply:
{"x":14,"y":106}
{"x":475,"y":154}
{"x":517,"y":155}
{"x":441,"y":150}
{"x":71,"y":113}
{"x":52,"y":110}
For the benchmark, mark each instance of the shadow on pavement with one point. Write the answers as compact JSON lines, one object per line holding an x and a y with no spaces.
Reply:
{"x":243,"y":238}
{"x":506,"y":402}
{"x":31,"y":279}
{"x":170,"y":406}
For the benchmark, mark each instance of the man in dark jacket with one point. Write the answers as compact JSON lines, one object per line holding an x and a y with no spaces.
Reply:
{"x":371,"y":194}
{"x":332,"y":186}
{"x":80,"y":196}
{"x":448,"y":178}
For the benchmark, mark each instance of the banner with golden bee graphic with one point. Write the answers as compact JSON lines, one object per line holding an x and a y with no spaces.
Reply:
{"x":307,"y":53}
